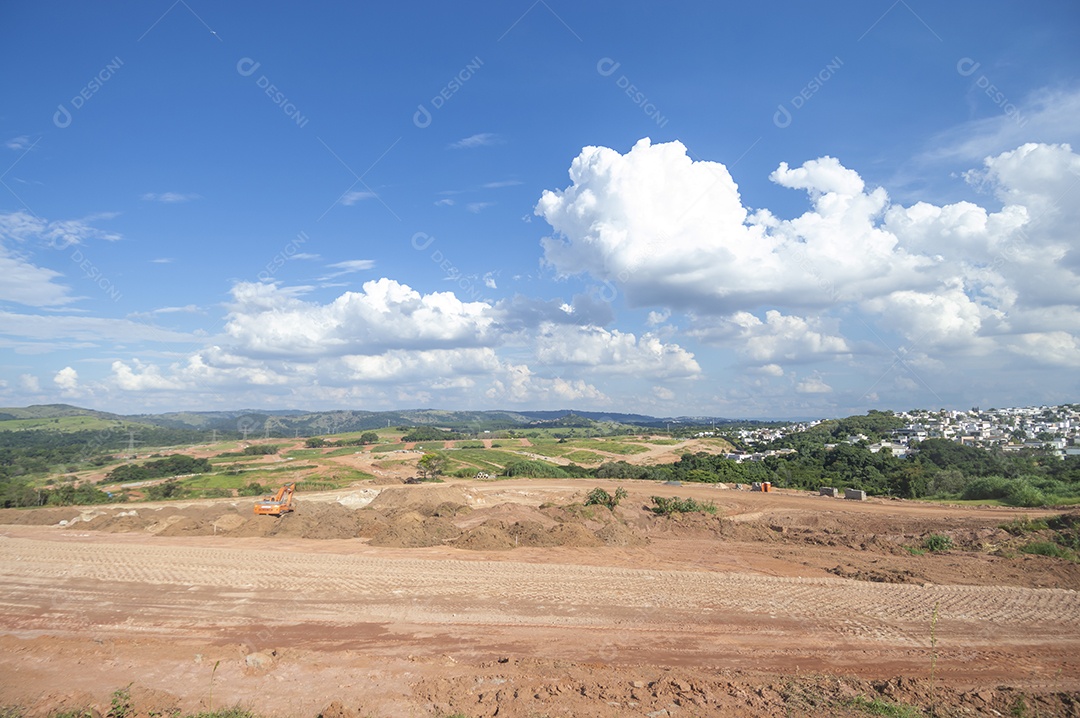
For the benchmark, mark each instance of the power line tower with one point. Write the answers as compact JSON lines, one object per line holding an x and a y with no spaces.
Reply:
{"x":131,"y":442}
{"x":214,"y":439}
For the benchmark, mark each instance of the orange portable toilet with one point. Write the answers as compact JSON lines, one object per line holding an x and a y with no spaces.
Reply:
{"x":766,"y":486}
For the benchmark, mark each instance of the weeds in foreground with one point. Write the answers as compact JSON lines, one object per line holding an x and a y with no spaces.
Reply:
{"x":879,"y":707}
{"x":121,"y":703}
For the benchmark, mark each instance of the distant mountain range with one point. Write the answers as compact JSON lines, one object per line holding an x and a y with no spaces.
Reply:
{"x":305,"y":423}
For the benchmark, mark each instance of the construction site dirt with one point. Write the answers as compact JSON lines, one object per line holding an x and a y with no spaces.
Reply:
{"x":514,"y":598}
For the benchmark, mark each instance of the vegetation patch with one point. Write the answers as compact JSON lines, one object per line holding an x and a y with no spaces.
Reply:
{"x":937,"y":543}
{"x":677,"y":505}
{"x":600,"y":497}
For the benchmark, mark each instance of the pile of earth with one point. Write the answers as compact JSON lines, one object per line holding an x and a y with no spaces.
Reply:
{"x":399,"y":517}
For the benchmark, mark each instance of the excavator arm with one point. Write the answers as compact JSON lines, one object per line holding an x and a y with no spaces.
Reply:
{"x":278,"y":504}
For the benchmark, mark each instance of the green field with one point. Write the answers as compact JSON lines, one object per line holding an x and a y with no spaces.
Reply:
{"x":613,"y":447}
{"x":584,"y":457}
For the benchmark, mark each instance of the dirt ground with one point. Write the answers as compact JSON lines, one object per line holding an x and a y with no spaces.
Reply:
{"x":510,"y":598}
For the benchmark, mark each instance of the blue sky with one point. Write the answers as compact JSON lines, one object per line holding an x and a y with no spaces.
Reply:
{"x":677,"y":209}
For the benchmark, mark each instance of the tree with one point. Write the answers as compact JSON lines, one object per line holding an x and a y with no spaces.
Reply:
{"x":315,"y":442}
{"x":369,"y":437}
{"x":431,"y":465}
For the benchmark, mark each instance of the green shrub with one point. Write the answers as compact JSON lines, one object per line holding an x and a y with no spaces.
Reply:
{"x":937,"y":543}
{"x":676,"y":505}
{"x":987,"y":487}
{"x":599,"y":497}
{"x":1021,"y":493}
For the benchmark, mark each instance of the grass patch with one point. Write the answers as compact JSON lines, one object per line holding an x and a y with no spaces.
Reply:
{"x":489,"y":460}
{"x":878,"y":707}
{"x":343,"y":451}
{"x":1019,"y":526}
{"x":915,"y":550}
{"x":550,"y":449}
{"x":584,"y":457}
{"x":1048,"y":548}
{"x":383,"y":448}
{"x":615,"y":447}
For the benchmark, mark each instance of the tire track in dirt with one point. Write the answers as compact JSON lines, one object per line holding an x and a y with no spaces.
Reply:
{"x":514,"y":593}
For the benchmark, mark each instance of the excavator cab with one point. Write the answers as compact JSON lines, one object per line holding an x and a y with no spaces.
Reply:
{"x":278,"y":504}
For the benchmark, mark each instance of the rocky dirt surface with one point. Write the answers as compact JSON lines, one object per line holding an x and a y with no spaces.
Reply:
{"x":510,"y":598}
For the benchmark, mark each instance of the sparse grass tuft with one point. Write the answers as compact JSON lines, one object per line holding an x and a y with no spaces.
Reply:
{"x":878,"y":707}
{"x":1048,"y":548}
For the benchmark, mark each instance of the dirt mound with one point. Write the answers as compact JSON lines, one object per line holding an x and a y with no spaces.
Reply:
{"x":577,"y":535}
{"x":509,"y":513}
{"x":616,"y":533}
{"x":183,"y":526}
{"x":229,"y":522}
{"x":38,"y":517}
{"x":489,"y":536}
{"x":414,"y":530}
{"x":423,"y":499}
{"x":531,"y":533}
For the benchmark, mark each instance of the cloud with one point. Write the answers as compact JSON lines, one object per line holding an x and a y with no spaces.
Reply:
{"x":613,"y":352}
{"x":22,"y":226}
{"x":444,"y":202}
{"x":267,"y":321}
{"x":477,"y":207}
{"x":1047,"y":114}
{"x":504,"y":183}
{"x":19,"y":144}
{"x":67,"y":379}
{"x":29,"y":383}
{"x":186,"y":309}
{"x":780,"y":337}
{"x":812,"y":385}
{"x":170,"y":197}
{"x":484,"y":139}
{"x":350,"y":198}
{"x":162,"y":260}
{"x":28,"y":284}
{"x":50,"y":330}
{"x":349,"y":266}
{"x":141,"y":378}
{"x":956,"y":280}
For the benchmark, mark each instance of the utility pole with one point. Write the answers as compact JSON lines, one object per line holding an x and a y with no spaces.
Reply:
{"x":214,"y":440}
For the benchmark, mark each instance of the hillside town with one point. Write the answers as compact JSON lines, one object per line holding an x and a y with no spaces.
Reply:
{"x":1054,"y":429}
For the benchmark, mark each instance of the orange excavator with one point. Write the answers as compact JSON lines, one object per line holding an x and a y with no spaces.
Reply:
{"x":278,"y":504}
